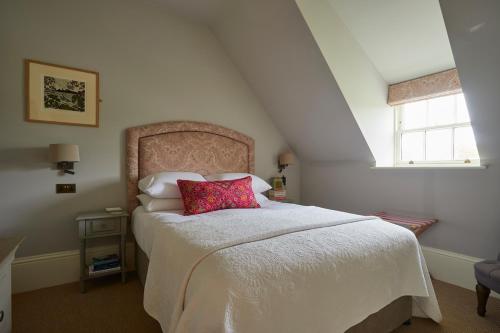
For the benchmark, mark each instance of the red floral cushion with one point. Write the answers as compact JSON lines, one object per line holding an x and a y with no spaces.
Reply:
{"x":203,"y":197}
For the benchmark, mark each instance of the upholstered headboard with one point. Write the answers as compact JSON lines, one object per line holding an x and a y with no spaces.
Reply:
{"x":184,"y":146}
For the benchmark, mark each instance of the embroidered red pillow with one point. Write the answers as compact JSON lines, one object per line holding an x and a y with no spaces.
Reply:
{"x":203,"y":197}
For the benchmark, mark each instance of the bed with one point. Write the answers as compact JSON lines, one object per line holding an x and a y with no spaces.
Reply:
{"x":279,"y":268}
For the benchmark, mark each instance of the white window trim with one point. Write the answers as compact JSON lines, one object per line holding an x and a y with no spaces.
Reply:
{"x":431,"y":167}
{"x":398,"y":131}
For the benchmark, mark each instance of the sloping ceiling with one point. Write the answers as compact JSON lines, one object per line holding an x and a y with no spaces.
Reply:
{"x":272,"y":46}
{"x":474,"y":31}
{"x":202,"y":11}
{"x":360,"y":82}
{"x":404,"y":39}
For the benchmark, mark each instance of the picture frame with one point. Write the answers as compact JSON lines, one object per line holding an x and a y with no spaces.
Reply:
{"x":63,"y":95}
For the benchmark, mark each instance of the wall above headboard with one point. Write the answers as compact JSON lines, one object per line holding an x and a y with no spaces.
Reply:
{"x":159,"y":68}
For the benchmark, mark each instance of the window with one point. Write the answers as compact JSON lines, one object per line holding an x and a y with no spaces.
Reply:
{"x":435,"y":131}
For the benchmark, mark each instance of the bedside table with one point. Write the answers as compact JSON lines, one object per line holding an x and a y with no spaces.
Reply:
{"x":97,"y":225}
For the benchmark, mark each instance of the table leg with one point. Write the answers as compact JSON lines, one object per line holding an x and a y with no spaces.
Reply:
{"x":82,"y":265}
{"x":123,"y":256}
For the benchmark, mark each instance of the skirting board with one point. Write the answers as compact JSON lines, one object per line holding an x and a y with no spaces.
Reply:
{"x":52,"y":269}
{"x":57,"y":268}
{"x":453,"y":268}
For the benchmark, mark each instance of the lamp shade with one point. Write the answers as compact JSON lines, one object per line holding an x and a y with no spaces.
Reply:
{"x":64,"y":153}
{"x":287,"y":158}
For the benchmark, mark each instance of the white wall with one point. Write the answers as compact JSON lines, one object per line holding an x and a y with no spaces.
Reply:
{"x":404,"y":39}
{"x":153,"y":67}
{"x":474,"y":31}
{"x":361,"y":84}
{"x":464,"y":201}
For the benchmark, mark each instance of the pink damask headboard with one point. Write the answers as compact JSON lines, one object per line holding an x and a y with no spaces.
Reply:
{"x":184,"y":146}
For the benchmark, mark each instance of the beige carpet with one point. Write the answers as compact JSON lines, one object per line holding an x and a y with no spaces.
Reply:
{"x":459,"y":313}
{"x":110,"y":306}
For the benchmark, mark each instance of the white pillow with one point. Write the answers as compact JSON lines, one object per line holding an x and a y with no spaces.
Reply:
{"x":151,"y":204}
{"x":164,"y":184}
{"x":261,"y":198}
{"x":258,"y":184}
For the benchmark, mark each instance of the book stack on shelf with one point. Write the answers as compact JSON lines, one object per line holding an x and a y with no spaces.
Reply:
{"x":277,"y":195}
{"x":106,"y":264}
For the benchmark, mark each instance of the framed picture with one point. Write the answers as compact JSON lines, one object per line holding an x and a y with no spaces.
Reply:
{"x":61,"y":95}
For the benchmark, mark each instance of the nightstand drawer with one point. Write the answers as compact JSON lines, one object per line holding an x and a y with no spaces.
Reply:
{"x":96,"y":228}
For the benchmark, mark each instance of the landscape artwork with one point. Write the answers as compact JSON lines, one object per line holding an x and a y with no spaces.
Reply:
{"x":61,"y":95}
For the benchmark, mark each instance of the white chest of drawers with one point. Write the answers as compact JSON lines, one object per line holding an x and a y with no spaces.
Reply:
{"x":8,"y":247}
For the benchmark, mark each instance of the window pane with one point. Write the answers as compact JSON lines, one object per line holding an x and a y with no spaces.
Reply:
{"x":441,"y":111}
{"x":465,"y":144}
{"x":438,"y":145}
{"x":414,"y":115}
{"x":462,"y":111}
{"x":412,"y":146}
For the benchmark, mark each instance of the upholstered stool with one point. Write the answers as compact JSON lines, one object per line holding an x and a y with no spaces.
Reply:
{"x":488,"y":278}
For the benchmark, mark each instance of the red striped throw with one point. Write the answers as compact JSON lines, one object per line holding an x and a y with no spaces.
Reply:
{"x":417,"y":225}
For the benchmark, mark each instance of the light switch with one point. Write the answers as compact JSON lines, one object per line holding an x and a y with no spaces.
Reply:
{"x":65,"y":188}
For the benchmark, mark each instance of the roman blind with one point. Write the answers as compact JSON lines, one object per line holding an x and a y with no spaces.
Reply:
{"x":425,"y":87}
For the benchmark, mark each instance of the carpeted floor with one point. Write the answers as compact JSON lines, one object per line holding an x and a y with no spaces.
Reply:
{"x":459,"y":313}
{"x":110,"y":306}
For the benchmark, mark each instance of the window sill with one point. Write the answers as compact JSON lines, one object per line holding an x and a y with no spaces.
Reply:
{"x":431,"y":167}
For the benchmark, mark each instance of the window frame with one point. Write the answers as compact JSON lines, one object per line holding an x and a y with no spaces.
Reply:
{"x":399,"y":131}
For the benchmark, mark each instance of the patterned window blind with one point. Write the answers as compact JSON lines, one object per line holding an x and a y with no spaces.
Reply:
{"x":425,"y":87}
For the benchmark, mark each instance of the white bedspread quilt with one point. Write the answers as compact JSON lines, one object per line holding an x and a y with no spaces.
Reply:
{"x":300,"y":269}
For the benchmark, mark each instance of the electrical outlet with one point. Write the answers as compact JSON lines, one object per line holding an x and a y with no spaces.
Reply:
{"x":65,"y":188}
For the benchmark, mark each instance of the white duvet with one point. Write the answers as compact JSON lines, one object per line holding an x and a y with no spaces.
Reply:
{"x":293,"y":269}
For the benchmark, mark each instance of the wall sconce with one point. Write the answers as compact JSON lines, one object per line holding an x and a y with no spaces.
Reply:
{"x":64,"y":155}
{"x":284,"y":160}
